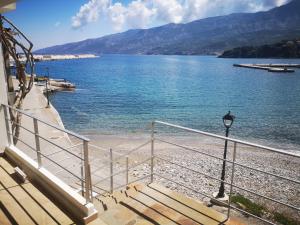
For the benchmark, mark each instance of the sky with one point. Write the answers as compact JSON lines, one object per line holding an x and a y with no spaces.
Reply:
{"x":49,"y":23}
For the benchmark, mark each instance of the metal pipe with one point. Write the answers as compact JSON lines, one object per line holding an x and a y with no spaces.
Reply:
{"x":122,"y":171}
{"x":32,"y":148}
{"x":232,"y":179}
{"x":82,"y":174}
{"x":228,"y":161}
{"x":152,"y":151}
{"x":48,"y":124}
{"x":37,"y":142}
{"x":229,"y":139}
{"x":127,"y":170}
{"x":111,"y":171}
{"x":86,"y":171}
{"x":62,"y":147}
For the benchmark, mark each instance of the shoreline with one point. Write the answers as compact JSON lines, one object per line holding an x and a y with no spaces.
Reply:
{"x":267,"y":161}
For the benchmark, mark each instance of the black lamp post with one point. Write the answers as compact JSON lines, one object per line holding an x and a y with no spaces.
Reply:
{"x":228,"y":121}
{"x":47,"y":94}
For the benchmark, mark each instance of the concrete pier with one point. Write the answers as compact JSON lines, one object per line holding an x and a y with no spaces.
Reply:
{"x":266,"y":67}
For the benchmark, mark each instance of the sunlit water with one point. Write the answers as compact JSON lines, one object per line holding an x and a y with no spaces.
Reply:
{"x":121,"y":94}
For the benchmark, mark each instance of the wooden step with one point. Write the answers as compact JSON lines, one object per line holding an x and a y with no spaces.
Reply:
{"x":162,"y":208}
{"x":24,"y":203}
{"x":183,"y":202}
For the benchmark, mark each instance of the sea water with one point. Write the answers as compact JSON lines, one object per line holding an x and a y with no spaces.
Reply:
{"x":121,"y":94}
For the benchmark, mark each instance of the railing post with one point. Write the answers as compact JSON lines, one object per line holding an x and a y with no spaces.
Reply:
{"x":152,"y":150}
{"x":127,"y":172}
{"x":82,"y":173}
{"x":87,"y":176}
{"x":232,"y":179}
{"x":111,"y":171}
{"x":8,"y":127}
{"x":37,"y":142}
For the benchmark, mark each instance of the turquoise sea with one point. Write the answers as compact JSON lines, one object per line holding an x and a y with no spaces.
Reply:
{"x":121,"y":94}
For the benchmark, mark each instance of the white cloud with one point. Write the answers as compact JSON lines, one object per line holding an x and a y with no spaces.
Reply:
{"x":89,"y":12}
{"x":141,"y":13}
{"x":117,"y":16}
{"x":138,"y":15}
{"x":169,"y":10}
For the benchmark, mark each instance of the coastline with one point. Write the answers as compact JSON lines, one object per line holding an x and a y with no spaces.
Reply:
{"x":274,"y":163}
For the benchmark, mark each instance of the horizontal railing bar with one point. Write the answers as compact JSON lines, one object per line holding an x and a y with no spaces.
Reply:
{"x":229,"y":161}
{"x":228,"y":139}
{"x":59,"y":161}
{"x":195,"y":171}
{"x":65,"y":148}
{"x":32,"y":148}
{"x":265,"y":172}
{"x":53,"y":153}
{"x":45,"y":139}
{"x":75,"y":145}
{"x":99,"y":168}
{"x":96,"y":175}
{"x":131,"y":182}
{"x":99,"y":148}
{"x":192,"y":170}
{"x":122,"y":171}
{"x":250,"y":214}
{"x":62,"y":167}
{"x":32,"y":132}
{"x":178,"y":183}
{"x":270,"y":199}
{"x":123,"y":155}
{"x":105,"y":191}
{"x":131,"y":151}
{"x":44,"y":122}
{"x":193,"y":150}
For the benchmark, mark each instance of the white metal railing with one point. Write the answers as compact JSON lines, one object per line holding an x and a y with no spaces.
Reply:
{"x":82,"y":155}
{"x":231,"y":183}
{"x":86,"y":174}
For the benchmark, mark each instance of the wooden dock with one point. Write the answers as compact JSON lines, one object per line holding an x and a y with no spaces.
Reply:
{"x":280,"y":68}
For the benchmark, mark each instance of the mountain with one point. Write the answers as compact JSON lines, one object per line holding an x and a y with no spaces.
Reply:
{"x":204,"y":36}
{"x":283,"y":49}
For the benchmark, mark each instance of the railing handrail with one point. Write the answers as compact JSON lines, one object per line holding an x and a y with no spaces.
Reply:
{"x":48,"y":124}
{"x":284,"y":152}
{"x":84,"y":177}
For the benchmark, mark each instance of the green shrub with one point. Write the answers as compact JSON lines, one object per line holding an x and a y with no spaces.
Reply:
{"x":250,"y":206}
{"x":283,"y":219}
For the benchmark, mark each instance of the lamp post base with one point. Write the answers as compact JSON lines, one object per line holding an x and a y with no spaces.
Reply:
{"x":219,"y":201}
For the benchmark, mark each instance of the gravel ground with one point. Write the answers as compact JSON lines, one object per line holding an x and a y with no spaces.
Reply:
{"x":188,"y":174}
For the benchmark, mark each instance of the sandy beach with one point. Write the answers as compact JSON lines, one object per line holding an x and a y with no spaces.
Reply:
{"x":183,"y":166}
{"x":267,"y":185}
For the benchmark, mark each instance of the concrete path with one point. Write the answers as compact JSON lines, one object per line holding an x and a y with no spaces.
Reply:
{"x":35,"y":104}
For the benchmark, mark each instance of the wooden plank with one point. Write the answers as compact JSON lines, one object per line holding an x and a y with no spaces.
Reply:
{"x":25,"y":202}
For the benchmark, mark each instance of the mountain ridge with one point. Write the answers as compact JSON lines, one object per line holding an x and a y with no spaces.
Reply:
{"x":204,"y":36}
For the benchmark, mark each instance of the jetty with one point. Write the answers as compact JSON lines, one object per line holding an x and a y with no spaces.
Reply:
{"x":280,"y":65}
{"x":53,"y":85}
{"x":276,"y":68}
